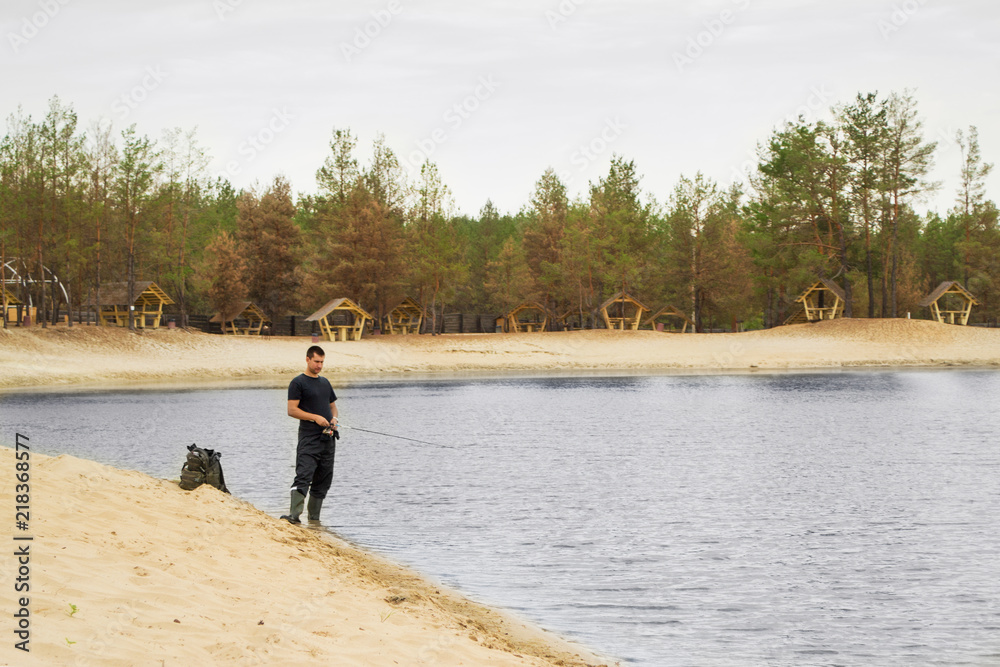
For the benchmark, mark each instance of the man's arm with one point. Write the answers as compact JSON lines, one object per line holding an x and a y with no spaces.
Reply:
{"x":333,"y":411}
{"x":298,"y":413}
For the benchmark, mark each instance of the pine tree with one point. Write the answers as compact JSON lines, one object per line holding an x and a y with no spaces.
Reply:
{"x":905,"y":163}
{"x":866,"y":129}
{"x":436,"y":260}
{"x":482,"y":240}
{"x":340,"y":171}
{"x":101,"y":163}
{"x":621,"y":229}
{"x":270,"y":243}
{"x":224,"y":272}
{"x":363,"y":251}
{"x":974,"y":217}
{"x":579,"y":264}
{"x":803,"y":181}
{"x":706,"y":262}
{"x":508,"y":278}
{"x":133,"y":188}
{"x":544,"y":233}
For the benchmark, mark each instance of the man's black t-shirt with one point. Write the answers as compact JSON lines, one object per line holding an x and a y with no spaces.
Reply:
{"x":314,"y":394}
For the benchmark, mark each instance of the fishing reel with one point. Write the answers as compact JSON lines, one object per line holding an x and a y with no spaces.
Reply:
{"x":331,"y":431}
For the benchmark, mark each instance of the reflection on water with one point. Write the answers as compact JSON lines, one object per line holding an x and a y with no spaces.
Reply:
{"x":793,"y":519}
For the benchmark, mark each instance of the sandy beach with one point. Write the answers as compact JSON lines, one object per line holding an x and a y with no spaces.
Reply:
{"x":126,"y":569}
{"x":61,"y":356}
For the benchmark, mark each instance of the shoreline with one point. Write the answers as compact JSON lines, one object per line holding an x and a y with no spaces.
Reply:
{"x":137,"y":555}
{"x":281,"y":382}
{"x":126,"y":567}
{"x":101,"y":357}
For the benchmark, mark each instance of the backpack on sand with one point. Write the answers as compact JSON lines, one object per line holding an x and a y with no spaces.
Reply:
{"x":202,"y":467}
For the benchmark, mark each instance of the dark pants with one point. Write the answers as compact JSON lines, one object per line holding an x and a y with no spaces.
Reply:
{"x":314,"y":465}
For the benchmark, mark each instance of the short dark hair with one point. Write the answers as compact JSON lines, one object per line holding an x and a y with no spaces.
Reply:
{"x":314,"y":351}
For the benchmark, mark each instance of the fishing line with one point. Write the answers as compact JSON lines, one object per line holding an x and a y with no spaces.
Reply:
{"x":401,"y":437}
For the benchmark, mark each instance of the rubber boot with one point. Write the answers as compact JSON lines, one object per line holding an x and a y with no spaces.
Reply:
{"x":298,"y":500}
{"x":314,"y":506}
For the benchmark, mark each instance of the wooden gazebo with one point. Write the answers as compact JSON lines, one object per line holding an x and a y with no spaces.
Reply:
{"x":11,"y":301}
{"x":528,"y":318}
{"x":623,"y":312}
{"x":951,"y":292}
{"x":332,"y":316}
{"x":823,"y":300}
{"x":671,"y":314}
{"x":404,"y":318}
{"x":149,"y":302}
{"x":244,"y":320}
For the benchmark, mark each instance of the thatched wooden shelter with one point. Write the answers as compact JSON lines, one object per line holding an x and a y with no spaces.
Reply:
{"x":528,"y":318}
{"x":823,"y":300}
{"x":623,"y":312}
{"x":148,"y":304}
{"x":404,"y":318}
{"x":950,"y":293}
{"x":244,"y":320}
{"x":341,"y":319}
{"x":672,"y":316}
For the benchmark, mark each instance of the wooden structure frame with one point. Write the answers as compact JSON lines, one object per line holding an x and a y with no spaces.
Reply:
{"x":571,"y":319}
{"x":669,"y":311}
{"x":333,"y":331}
{"x":247,"y":312}
{"x":517,"y":325}
{"x":621,"y":319}
{"x":933,"y":299}
{"x":405,"y":318}
{"x":815,"y":306}
{"x":149,"y":302}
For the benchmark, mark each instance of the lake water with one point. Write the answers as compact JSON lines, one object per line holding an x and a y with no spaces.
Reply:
{"x":793,"y":519}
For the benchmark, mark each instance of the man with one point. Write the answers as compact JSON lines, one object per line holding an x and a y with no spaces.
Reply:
{"x":311,"y":400}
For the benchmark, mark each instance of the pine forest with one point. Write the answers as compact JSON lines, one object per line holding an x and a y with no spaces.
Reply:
{"x":834,"y":199}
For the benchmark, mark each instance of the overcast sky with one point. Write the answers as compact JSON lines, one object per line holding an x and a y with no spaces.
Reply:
{"x":495,"y":92}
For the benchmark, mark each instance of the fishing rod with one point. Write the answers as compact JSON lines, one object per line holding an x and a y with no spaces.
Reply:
{"x":391,"y":435}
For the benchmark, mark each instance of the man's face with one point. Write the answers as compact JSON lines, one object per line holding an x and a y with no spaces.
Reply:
{"x":315,"y":364}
